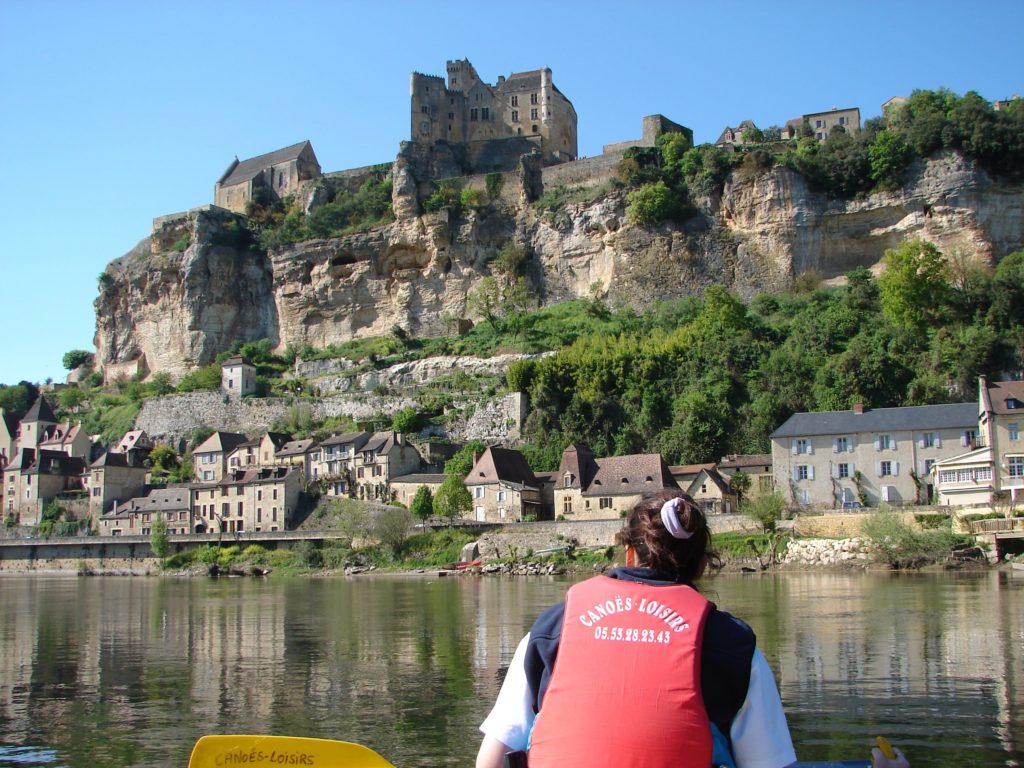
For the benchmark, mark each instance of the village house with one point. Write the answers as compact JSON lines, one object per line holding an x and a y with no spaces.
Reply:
{"x":261,"y":499}
{"x":34,"y":424}
{"x":334,"y":466}
{"x":706,"y":486}
{"x":994,"y":467}
{"x":33,"y":478}
{"x":383,"y":456}
{"x":114,"y":477}
{"x":731,"y":137}
{"x":822,"y":123}
{"x":756,"y":466}
{"x":210,"y":458}
{"x":868,"y":456}
{"x":245,"y":455}
{"x":136,"y":444}
{"x":8,"y":435}
{"x":588,"y":488}
{"x":503,"y":488}
{"x":299,"y":454}
{"x":271,"y":176}
{"x":404,"y":487}
{"x":135,"y":517}
{"x":238,"y":377}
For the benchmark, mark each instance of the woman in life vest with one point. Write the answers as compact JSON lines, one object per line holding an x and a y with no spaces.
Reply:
{"x":649,"y":673}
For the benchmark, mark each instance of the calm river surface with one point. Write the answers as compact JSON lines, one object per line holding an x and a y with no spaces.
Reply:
{"x":131,"y":671}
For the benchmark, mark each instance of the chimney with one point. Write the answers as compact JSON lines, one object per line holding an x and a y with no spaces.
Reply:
{"x":858,"y":408}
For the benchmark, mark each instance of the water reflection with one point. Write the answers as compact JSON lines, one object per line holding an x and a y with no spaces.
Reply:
{"x":130,"y":672}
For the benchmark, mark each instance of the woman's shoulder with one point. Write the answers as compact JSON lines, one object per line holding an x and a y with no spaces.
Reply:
{"x":728,"y":634}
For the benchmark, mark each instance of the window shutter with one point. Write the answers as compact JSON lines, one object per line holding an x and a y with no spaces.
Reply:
{"x":892,"y":442}
{"x":963,"y":440}
{"x":853,"y":470}
{"x":878,"y":442}
{"x":920,"y":442}
{"x":796,"y":473}
{"x":938,"y":441}
{"x":895,"y":468}
{"x":852,"y":443}
{"x":810,"y":448}
{"x":835,"y":445}
{"x":792,"y":446}
{"x":835,"y":470}
{"x":878,"y":468}
{"x":810,"y":471}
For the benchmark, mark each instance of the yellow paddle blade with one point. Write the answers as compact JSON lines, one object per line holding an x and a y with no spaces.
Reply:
{"x":281,"y":752}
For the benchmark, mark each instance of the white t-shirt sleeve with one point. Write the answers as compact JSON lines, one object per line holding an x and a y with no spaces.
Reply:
{"x":511,"y":718}
{"x":759,"y":732}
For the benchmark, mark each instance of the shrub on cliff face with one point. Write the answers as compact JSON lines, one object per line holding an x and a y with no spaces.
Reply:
{"x":654,"y":204}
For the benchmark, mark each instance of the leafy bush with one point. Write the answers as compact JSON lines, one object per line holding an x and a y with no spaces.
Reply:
{"x":472,"y":198}
{"x":895,"y":542}
{"x":445,"y":196}
{"x":494,"y":183}
{"x":654,"y":204}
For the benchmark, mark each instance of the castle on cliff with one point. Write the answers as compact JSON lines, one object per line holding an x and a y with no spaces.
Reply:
{"x":466,"y":109}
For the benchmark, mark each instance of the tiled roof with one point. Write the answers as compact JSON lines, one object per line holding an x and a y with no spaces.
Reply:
{"x":11,"y":421}
{"x":259,"y":475}
{"x":358,"y":439}
{"x":422,"y":478}
{"x":247,"y":169}
{"x":1007,"y":397}
{"x":501,"y":465}
{"x":159,"y":500}
{"x":638,"y":473}
{"x":223,"y":442}
{"x":54,"y":462}
{"x":737,"y":461}
{"x":40,"y":411}
{"x":909,"y":418}
{"x":296,"y":447}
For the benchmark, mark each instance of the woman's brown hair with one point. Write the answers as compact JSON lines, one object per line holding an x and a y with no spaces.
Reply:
{"x":682,"y":560}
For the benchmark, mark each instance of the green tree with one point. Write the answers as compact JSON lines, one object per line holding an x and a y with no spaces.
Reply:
{"x":452,"y":500}
{"x":462,"y":462}
{"x":766,"y":509}
{"x":653,"y":204}
{"x":406,"y":420}
{"x":391,"y":527}
{"x":914,"y":285}
{"x":164,"y":461}
{"x":889,"y":156}
{"x":740,"y":484}
{"x":422,"y":506}
{"x":70,"y":398}
{"x":76,"y":358}
{"x":159,"y":542}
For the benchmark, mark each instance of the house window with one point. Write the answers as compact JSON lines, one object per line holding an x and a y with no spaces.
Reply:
{"x":842,"y":470}
{"x":803,"y":446}
{"x":819,"y":123}
{"x":968,"y":438}
{"x":533,"y":114}
{"x":983,"y":473}
{"x":947,"y":476}
{"x":535,"y":129}
{"x":533,"y":98}
{"x":478,"y":492}
{"x":928,"y":440}
{"x":567,"y":506}
{"x":605,"y":502}
{"x":804,"y":472}
{"x":963,"y":476}
{"x":1015,"y":465}
{"x":502,"y":495}
{"x":1014,"y":430}
{"x":887,"y":468}
{"x":567,"y":480}
{"x":96,"y":491}
{"x":473,"y":113}
{"x":515,"y":101}
{"x":885,"y":443}
{"x":841,"y":445}
{"x":843,"y":120}
{"x":804,"y":495}
{"x":515,"y":115}
{"x":485,"y":113}
{"x":928,"y":464}
{"x":259,"y":494}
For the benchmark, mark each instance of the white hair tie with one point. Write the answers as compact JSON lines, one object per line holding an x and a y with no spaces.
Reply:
{"x":670,"y":517}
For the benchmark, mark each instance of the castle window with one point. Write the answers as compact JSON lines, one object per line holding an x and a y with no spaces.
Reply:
{"x":535,"y":129}
{"x":485,"y":113}
{"x":473,"y":113}
{"x":515,"y":115}
{"x":533,"y":114}
{"x":515,"y":101}
{"x":423,"y":109}
{"x":425,"y":127}
{"x":451,"y":115}
{"x":533,"y":98}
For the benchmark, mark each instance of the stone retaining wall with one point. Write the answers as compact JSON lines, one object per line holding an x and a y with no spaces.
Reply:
{"x":826,"y":551}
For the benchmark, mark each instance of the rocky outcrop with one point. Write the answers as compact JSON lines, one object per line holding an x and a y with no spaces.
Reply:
{"x":172,"y":310}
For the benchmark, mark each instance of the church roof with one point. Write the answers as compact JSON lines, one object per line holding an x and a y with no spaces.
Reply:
{"x":248,"y":169}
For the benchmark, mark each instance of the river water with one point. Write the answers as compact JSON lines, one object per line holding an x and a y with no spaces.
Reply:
{"x":131,"y":671}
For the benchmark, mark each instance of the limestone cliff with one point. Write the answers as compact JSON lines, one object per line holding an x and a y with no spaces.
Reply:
{"x":171,"y":309}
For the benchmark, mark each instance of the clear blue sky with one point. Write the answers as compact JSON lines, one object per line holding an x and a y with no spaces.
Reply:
{"x":112,"y":113}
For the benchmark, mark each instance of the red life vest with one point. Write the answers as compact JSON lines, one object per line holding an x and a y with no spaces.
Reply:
{"x":625,"y":689}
